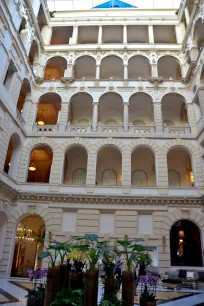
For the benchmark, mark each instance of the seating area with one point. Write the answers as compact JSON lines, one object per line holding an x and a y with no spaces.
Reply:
{"x":183,"y":278}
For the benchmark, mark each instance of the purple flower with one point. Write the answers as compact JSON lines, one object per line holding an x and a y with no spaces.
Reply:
{"x":37,"y":274}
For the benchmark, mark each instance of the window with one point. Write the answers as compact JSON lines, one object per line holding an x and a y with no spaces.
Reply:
{"x":109,"y":178}
{"x":174,"y":179}
{"x":9,"y":75}
{"x":139,"y":178}
{"x":79,"y":177}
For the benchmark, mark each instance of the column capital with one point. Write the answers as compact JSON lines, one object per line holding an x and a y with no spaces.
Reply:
{"x":95,"y":103}
{"x":126,"y":103}
{"x":157,"y":103}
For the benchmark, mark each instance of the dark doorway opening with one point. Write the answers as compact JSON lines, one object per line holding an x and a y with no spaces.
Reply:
{"x":185,"y":244}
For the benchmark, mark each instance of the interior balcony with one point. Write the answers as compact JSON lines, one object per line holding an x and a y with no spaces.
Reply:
{"x":174,"y":113}
{"x":48,"y":112}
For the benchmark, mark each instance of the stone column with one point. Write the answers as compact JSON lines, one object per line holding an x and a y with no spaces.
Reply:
{"x":125,"y":34}
{"x":154,"y":70}
{"x":95,"y":116}
{"x":158,"y":120}
{"x":187,"y":16}
{"x":201,"y":102}
{"x":126,"y":116}
{"x":98,"y":71}
{"x":46,"y":34}
{"x":100,"y":34}
{"x":63,"y":118}
{"x":69,"y":72}
{"x":151,"y":34}
{"x":191,"y":117}
{"x":32,"y":116}
{"x":75,"y":35}
{"x":125,"y":72}
{"x":180,"y":32}
{"x":26,"y":108}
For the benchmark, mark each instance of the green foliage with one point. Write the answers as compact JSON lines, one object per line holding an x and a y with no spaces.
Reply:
{"x":147,"y":296}
{"x":69,"y":298}
{"x":131,"y":251}
{"x":54,"y":249}
{"x":37,"y":292}
{"x":110,"y":300}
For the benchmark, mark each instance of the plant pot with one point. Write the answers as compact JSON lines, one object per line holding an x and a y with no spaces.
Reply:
{"x":68,"y":270}
{"x":62,"y":276}
{"x":76,"y":280}
{"x":128,"y":283}
{"x":91,"y":288}
{"x":143,"y":302}
{"x":51,"y":286}
{"x":110,"y":286}
{"x":31,"y":301}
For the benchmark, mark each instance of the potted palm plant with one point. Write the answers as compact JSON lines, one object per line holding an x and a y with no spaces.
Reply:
{"x":129,"y":250}
{"x":91,"y":275}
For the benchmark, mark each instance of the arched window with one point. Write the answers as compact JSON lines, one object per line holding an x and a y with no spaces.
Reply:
{"x":79,"y":177}
{"x":174,"y":179}
{"x":111,"y":122}
{"x":139,"y":178}
{"x":109,"y":178}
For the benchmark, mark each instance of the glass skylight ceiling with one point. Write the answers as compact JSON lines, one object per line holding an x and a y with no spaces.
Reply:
{"x":63,"y":5}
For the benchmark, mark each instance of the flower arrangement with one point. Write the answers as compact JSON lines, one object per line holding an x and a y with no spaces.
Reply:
{"x":37,"y":292}
{"x":79,"y":258}
{"x":148,"y":281}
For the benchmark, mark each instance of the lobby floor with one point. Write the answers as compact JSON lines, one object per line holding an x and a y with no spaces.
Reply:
{"x":13,"y":292}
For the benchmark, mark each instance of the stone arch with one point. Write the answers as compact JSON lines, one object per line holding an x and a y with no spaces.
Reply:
{"x":112,"y":92}
{"x":112,"y":66}
{"x":14,"y":218}
{"x":139,"y":67}
{"x":49,"y":92}
{"x":6,"y":135}
{"x":25,"y":156}
{"x":194,"y":154}
{"x":83,"y":55}
{"x":181,"y":213}
{"x":105,"y":142}
{"x":169,"y":66}
{"x":55,"y":68}
{"x":85,"y":66}
{"x":76,"y":93}
{"x":173,"y":93}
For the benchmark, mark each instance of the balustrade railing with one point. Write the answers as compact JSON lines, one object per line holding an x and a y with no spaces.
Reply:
{"x":177,"y":129}
{"x":142,"y":128}
{"x":109,"y":129}
{"x":78,"y":128}
{"x":45,"y":128}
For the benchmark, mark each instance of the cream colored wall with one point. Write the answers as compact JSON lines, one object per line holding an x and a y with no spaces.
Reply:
{"x":126,"y":217}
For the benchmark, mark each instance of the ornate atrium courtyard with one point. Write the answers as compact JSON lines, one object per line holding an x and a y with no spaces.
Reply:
{"x":102,"y":152}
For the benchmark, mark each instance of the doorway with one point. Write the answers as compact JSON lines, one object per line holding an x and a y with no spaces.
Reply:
{"x":185,"y":244}
{"x":29,"y":242}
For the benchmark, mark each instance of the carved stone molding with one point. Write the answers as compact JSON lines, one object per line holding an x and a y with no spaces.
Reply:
{"x":109,"y":200}
{"x":8,"y":191}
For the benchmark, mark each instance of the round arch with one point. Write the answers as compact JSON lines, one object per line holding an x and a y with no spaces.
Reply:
{"x":169,"y":66}
{"x":55,"y":68}
{"x":13,"y":155}
{"x":40,"y":162}
{"x":141,"y":106}
{"x":85,"y":66}
{"x":139,"y":66}
{"x":109,"y":157}
{"x":112,"y":67}
{"x":185,"y":244}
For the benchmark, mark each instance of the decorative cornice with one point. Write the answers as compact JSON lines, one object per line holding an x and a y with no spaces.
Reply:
{"x":86,"y":199}
{"x":8,"y":191}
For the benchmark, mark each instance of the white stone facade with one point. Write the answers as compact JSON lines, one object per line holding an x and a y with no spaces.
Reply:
{"x":123,"y":101}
